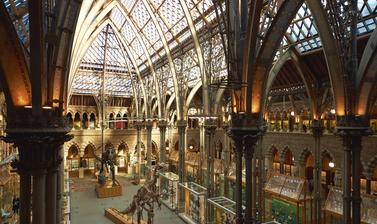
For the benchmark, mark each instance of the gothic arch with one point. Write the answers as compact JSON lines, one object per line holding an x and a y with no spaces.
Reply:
{"x":304,"y":156}
{"x":271,"y":152}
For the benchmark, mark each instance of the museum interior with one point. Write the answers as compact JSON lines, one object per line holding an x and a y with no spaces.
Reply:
{"x":188,"y":111}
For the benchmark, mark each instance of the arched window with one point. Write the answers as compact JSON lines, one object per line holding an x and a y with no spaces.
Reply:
{"x":85,"y":121}
{"x":92,"y":121}
{"x":77,"y":121}
{"x":118,"y":124}
{"x":111,"y":121}
{"x":70,"y":120}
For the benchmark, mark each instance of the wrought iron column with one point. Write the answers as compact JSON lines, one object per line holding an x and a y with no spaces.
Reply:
{"x":317,"y":129}
{"x":182,"y":149}
{"x":226,"y":161}
{"x":181,"y":169}
{"x":149,"y":125}
{"x":210,"y":128}
{"x":162,"y":126}
{"x":138,"y":148}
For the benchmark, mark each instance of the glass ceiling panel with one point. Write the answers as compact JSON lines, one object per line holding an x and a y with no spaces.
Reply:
{"x":88,"y":78}
{"x":304,"y":35}
{"x":18,"y":12}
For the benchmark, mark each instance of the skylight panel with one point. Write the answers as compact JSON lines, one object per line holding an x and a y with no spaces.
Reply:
{"x":128,"y":4}
{"x":150,"y":32}
{"x":172,"y":11}
{"x":140,"y":14}
{"x":117,"y":17}
{"x":128,"y":32}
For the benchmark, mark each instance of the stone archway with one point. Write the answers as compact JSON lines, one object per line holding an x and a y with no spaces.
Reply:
{"x":123,"y":157}
{"x":73,"y":160}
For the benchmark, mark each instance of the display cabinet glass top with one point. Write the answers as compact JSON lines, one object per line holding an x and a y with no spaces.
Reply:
{"x":194,"y":188}
{"x":170,"y":176}
{"x":334,"y":204}
{"x":224,"y":204}
{"x":287,"y":186}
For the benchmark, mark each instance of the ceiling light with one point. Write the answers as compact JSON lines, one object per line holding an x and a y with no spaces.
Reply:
{"x":332,"y":111}
{"x":331,"y":164}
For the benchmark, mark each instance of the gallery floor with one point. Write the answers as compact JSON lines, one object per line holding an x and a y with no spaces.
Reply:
{"x":86,"y":208}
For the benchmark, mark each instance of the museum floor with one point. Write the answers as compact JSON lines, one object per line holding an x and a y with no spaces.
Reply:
{"x":86,"y":208}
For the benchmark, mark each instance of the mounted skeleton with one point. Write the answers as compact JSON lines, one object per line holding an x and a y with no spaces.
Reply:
{"x":145,"y":197}
{"x":108,"y":160}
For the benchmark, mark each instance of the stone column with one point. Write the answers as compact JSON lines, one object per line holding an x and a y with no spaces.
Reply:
{"x":39,"y":197}
{"x":162,"y":126}
{"x":368,"y":186}
{"x":60,"y":187}
{"x":317,"y":129}
{"x":250,"y":141}
{"x":351,"y":129}
{"x":25,"y":193}
{"x":38,"y":154}
{"x":238,"y":148}
{"x":210,"y":128}
{"x":149,"y":125}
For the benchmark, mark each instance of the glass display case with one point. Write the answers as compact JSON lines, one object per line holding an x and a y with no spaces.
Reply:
{"x":194,"y":197}
{"x":168,"y":183}
{"x":224,"y":209}
{"x":287,"y":201}
{"x":334,"y":207}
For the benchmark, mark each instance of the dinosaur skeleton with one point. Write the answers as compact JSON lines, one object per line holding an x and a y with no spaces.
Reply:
{"x":108,"y":160}
{"x":145,"y":197}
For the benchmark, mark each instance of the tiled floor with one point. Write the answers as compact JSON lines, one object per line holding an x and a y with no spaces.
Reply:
{"x":86,"y":208}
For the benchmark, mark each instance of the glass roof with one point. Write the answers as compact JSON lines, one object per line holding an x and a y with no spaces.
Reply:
{"x":134,"y":20}
{"x":18,"y":11}
{"x":304,"y":35}
{"x":146,"y":26}
{"x":117,"y":69}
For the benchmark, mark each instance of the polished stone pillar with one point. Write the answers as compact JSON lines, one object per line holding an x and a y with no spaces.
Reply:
{"x":162,"y":126}
{"x":60,"y":188}
{"x":149,"y":125}
{"x":351,"y":129}
{"x":346,"y":181}
{"x":39,"y":197}
{"x":25,"y":194}
{"x":368,"y":187}
{"x":250,"y":141}
{"x":317,"y":129}
{"x":356,"y":171}
{"x":238,"y":148}
{"x":51,"y":195}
